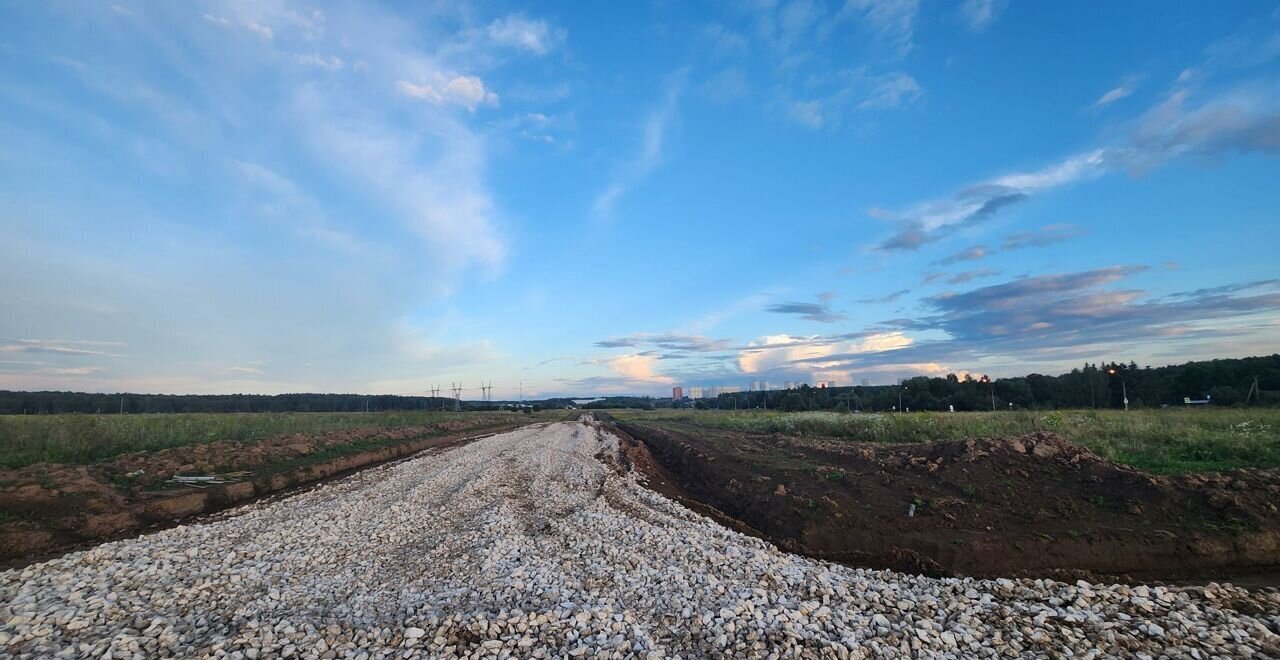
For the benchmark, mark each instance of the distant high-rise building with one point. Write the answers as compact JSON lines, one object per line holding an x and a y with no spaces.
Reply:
{"x":697,"y":392}
{"x":759,"y":385}
{"x":677,"y":393}
{"x":824,"y":384}
{"x":866,"y":382}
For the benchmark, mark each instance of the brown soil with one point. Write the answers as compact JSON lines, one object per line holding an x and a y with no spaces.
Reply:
{"x":1036,"y":505}
{"x":52,"y":508}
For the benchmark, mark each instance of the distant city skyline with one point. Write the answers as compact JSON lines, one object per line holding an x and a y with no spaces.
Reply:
{"x":621,"y":198}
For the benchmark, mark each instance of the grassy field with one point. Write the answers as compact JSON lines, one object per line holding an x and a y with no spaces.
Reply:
{"x":80,"y":439}
{"x":1168,"y":441}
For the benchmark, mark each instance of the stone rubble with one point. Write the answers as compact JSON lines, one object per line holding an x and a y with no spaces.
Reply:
{"x":527,"y":544}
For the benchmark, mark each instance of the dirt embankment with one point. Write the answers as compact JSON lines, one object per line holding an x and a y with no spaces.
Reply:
{"x":1036,"y":505}
{"x":50,"y":508}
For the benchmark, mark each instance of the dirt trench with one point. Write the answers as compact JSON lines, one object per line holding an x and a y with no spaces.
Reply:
{"x":1034,"y":506}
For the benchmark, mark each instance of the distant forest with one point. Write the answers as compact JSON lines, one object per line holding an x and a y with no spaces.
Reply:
{"x":18,"y":403}
{"x":1223,"y":382}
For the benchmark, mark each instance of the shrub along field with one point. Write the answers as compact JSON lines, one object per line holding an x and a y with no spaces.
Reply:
{"x":88,"y":438}
{"x":1165,"y":441}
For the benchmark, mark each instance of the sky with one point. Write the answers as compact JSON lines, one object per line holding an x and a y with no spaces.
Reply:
{"x":568,"y":198}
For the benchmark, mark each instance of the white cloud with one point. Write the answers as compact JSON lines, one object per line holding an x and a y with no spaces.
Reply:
{"x":329,"y":63}
{"x":892,"y":21}
{"x":638,"y":368}
{"x":724,"y":41}
{"x":516,"y":31}
{"x":807,"y":113}
{"x":835,"y":96}
{"x":247,"y":370}
{"x":782,"y":352}
{"x":653,"y":138}
{"x":978,"y":15}
{"x":401,"y":187}
{"x":263,"y":31}
{"x":1124,"y":89}
{"x":78,"y":347}
{"x":259,"y":29}
{"x":1070,"y":170}
{"x":71,"y":371}
{"x":1113,"y":95}
{"x":893,"y":91}
{"x":443,"y":201}
{"x":466,"y":91}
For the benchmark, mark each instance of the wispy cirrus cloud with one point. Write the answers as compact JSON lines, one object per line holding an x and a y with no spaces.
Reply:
{"x":931,"y":221}
{"x":533,"y":35}
{"x":978,"y":15}
{"x":667,"y":341}
{"x":891,"y":22}
{"x":1242,"y":119}
{"x":1046,"y":235}
{"x":1124,"y":89}
{"x":834,"y":97}
{"x":971,"y":275}
{"x":1237,"y":287}
{"x":328,"y":63}
{"x":654,"y":135}
{"x":82,"y":347}
{"x":975,"y":253}
{"x":253,"y":26}
{"x":888,"y":298}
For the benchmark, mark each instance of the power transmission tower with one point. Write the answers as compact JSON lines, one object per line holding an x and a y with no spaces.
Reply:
{"x":457,"y":396}
{"x":487,"y":390}
{"x":435,"y":394}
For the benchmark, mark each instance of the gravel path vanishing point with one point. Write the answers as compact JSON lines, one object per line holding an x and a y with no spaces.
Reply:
{"x":527,"y":544}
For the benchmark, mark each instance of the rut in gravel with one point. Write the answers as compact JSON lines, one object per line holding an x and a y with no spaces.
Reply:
{"x":528,"y":544}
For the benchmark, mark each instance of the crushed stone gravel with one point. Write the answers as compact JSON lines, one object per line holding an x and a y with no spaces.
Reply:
{"x":534,"y":544}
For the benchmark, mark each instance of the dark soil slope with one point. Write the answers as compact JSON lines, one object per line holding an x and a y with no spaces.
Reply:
{"x":1033,"y":505}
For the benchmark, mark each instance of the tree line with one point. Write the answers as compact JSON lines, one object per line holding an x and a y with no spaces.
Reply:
{"x":17,"y":403}
{"x":1104,"y":385}
{"x":1226,"y":382}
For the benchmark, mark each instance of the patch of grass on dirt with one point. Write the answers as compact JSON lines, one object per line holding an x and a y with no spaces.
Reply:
{"x":83,"y":439}
{"x":1167,"y":441}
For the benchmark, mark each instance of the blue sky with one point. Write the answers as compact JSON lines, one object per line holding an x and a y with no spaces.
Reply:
{"x":576,"y":198}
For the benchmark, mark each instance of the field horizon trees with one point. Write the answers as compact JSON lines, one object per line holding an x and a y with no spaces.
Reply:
{"x":1093,"y":385}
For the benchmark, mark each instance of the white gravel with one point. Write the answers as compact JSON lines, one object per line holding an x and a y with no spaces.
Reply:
{"x":526,"y":544}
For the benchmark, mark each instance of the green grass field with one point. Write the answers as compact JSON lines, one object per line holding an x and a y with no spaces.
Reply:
{"x":81,"y":439}
{"x":1168,"y":441}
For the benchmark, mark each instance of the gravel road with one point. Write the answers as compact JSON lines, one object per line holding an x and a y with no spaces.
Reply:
{"x":528,"y":544}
